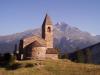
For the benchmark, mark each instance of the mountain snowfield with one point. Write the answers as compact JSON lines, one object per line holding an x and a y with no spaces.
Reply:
{"x":66,"y":37}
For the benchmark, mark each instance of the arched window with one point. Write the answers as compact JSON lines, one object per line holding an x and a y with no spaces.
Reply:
{"x":49,"y":29}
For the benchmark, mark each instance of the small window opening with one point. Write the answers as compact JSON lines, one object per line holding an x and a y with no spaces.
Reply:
{"x":49,"y":29}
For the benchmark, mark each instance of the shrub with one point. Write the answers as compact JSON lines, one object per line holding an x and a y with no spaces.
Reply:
{"x":14,"y":66}
{"x":63,"y":56}
{"x":9,"y":59}
{"x":29,"y":65}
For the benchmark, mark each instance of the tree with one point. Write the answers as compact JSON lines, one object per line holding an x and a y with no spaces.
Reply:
{"x":80,"y":56}
{"x":89,"y":55}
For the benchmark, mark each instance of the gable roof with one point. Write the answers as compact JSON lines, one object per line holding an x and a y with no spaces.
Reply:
{"x":37,"y":44}
{"x":29,"y":40}
{"x":47,"y":20}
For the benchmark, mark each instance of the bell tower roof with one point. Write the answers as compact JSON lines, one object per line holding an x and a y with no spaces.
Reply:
{"x":47,"y":20}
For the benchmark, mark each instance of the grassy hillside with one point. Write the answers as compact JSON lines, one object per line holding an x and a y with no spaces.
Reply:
{"x":50,"y":67}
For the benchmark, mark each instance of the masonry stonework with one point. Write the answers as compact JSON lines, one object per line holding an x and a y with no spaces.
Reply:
{"x":47,"y":31}
{"x":39,"y":48}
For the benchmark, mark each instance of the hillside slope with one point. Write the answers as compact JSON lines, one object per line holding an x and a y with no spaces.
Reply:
{"x":52,"y":67}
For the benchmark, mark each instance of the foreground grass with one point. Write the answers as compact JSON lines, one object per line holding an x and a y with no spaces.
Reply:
{"x":52,"y":67}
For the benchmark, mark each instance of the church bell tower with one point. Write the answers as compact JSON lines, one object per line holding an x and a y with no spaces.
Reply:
{"x":47,"y":31}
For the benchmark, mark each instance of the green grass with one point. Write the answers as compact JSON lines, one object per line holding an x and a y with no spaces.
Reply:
{"x":52,"y":67}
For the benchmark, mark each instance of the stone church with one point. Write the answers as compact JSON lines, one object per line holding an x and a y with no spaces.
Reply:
{"x":36,"y":47}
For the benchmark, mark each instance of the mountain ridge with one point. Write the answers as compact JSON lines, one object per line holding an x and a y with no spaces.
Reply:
{"x":66,"y":37}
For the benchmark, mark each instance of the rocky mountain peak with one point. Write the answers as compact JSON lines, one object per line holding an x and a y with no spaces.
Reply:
{"x":66,"y":37}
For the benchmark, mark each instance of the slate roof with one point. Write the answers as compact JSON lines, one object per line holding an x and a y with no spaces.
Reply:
{"x":51,"y":51}
{"x":31,"y":39}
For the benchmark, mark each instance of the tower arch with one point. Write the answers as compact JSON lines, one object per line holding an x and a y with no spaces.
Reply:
{"x":47,"y":31}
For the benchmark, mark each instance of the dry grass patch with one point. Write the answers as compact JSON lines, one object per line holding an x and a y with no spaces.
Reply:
{"x":52,"y":67}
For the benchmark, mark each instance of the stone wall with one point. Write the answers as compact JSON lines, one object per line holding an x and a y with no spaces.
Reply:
{"x":38,"y":53}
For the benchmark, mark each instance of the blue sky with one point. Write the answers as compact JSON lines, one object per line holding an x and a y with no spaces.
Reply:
{"x":20,"y":15}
